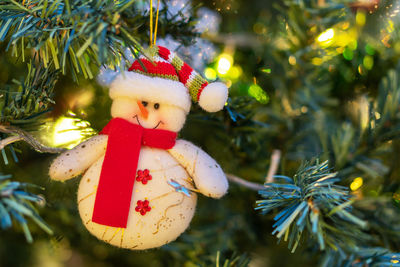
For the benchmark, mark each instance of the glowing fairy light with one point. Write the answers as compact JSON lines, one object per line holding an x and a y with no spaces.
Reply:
{"x":235,"y":72}
{"x":326,"y":37}
{"x":356,"y":184}
{"x":225,"y":62}
{"x":360,"y":18}
{"x":210,"y":74}
{"x":292,"y":60}
{"x":69,"y":131}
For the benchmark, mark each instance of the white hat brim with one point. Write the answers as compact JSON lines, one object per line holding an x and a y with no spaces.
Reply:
{"x":151,"y":89}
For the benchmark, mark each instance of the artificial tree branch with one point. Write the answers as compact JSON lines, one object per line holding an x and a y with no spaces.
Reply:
{"x":240,"y":181}
{"x":9,"y":140}
{"x":273,"y":167}
{"x":20,"y":134}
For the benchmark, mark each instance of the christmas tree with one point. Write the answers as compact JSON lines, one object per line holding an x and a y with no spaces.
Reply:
{"x":308,"y":137}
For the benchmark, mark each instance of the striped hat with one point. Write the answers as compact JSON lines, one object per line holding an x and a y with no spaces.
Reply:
{"x":168,"y":79}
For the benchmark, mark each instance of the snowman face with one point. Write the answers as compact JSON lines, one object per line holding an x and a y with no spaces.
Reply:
{"x":150,"y":115}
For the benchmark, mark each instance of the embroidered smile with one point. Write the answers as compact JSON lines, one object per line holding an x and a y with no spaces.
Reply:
{"x":137,"y":119}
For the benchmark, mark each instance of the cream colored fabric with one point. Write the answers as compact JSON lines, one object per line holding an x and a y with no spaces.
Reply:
{"x":171,"y":211}
{"x":205,"y":171}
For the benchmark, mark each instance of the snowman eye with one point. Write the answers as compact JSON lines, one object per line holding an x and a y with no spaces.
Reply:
{"x":156,"y":106}
{"x":144,"y":103}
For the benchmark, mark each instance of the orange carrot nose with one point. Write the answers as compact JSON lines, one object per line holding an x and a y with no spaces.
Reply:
{"x":143,"y":110}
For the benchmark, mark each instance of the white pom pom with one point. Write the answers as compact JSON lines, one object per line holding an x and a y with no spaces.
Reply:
{"x":213,"y":97}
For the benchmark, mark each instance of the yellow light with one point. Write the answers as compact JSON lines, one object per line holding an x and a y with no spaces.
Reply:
{"x":345,"y":25}
{"x":68,"y":132}
{"x":304,"y":109}
{"x":317,"y":61}
{"x":353,"y":45}
{"x":210,"y":74}
{"x":292,"y":60}
{"x":235,"y":72}
{"x":390,"y":26}
{"x":225,"y":62}
{"x":360,"y":18}
{"x":326,"y":37}
{"x":356,"y":184}
{"x":228,"y":83}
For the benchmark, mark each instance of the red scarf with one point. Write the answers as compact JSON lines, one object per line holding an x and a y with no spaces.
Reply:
{"x":114,"y":192}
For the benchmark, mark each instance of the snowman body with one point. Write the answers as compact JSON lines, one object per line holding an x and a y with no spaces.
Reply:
{"x":170,"y":213}
{"x":163,"y":195}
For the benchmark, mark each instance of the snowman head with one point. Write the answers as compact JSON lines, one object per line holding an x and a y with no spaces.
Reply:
{"x":149,"y":106}
{"x":159,"y":95}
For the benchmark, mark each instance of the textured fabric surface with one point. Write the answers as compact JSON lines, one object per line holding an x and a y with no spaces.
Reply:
{"x":118,"y":172}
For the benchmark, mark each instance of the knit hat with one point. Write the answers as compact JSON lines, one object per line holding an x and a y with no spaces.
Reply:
{"x":168,"y":79}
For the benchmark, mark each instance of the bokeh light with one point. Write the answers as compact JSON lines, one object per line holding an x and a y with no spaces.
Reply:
{"x":224,"y":64}
{"x":210,"y":74}
{"x":258,"y":93}
{"x":235,"y":72}
{"x":356,"y":184}
{"x":326,"y":37}
{"x":70,"y":131}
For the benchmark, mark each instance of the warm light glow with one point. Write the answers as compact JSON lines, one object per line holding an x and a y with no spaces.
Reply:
{"x":225,"y":62}
{"x":235,"y":72}
{"x":360,"y":18}
{"x":292,"y":60}
{"x":317,"y":61}
{"x":68,"y":131}
{"x":326,"y":37}
{"x":356,"y":184}
{"x":210,"y":74}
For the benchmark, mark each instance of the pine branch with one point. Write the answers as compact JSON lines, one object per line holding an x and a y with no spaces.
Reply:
{"x":24,"y":101}
{"x":362,"y":257}
{"x":82,"y":38}
{"x":92,"y":32}
{"x":234,"y":261}
{"x":28,"y":138}
{"x":311,"y":202}
{"x":16,"y":204}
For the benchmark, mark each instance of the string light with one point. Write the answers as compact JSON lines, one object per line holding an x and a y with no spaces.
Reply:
{"x":210,"y":74}
{"x":235,"y":72}
{"x":224,"y":64}
{"x":326,"y":37}
{"x":360,"y":18}
{"x":356,"y":184}
{"x":292,"y":60}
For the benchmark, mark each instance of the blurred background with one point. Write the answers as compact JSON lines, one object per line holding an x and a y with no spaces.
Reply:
{"x":308,"y":79}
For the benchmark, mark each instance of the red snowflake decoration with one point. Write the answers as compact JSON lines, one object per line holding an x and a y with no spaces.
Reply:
{"x":143,"y":176}
{"x":143,"y":207}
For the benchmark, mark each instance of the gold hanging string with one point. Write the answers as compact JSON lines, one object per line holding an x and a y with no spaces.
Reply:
{"x":151,"y":22}
{"x":155,"y":29}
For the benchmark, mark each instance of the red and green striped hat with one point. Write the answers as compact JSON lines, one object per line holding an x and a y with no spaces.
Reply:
{"x":168,"y":79}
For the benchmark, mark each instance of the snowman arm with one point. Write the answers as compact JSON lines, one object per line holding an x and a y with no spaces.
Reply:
{"x":75,"y":161}
{"x":204,"y":170}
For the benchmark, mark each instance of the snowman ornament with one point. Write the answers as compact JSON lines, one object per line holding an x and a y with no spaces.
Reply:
{"x":139,"y":182}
